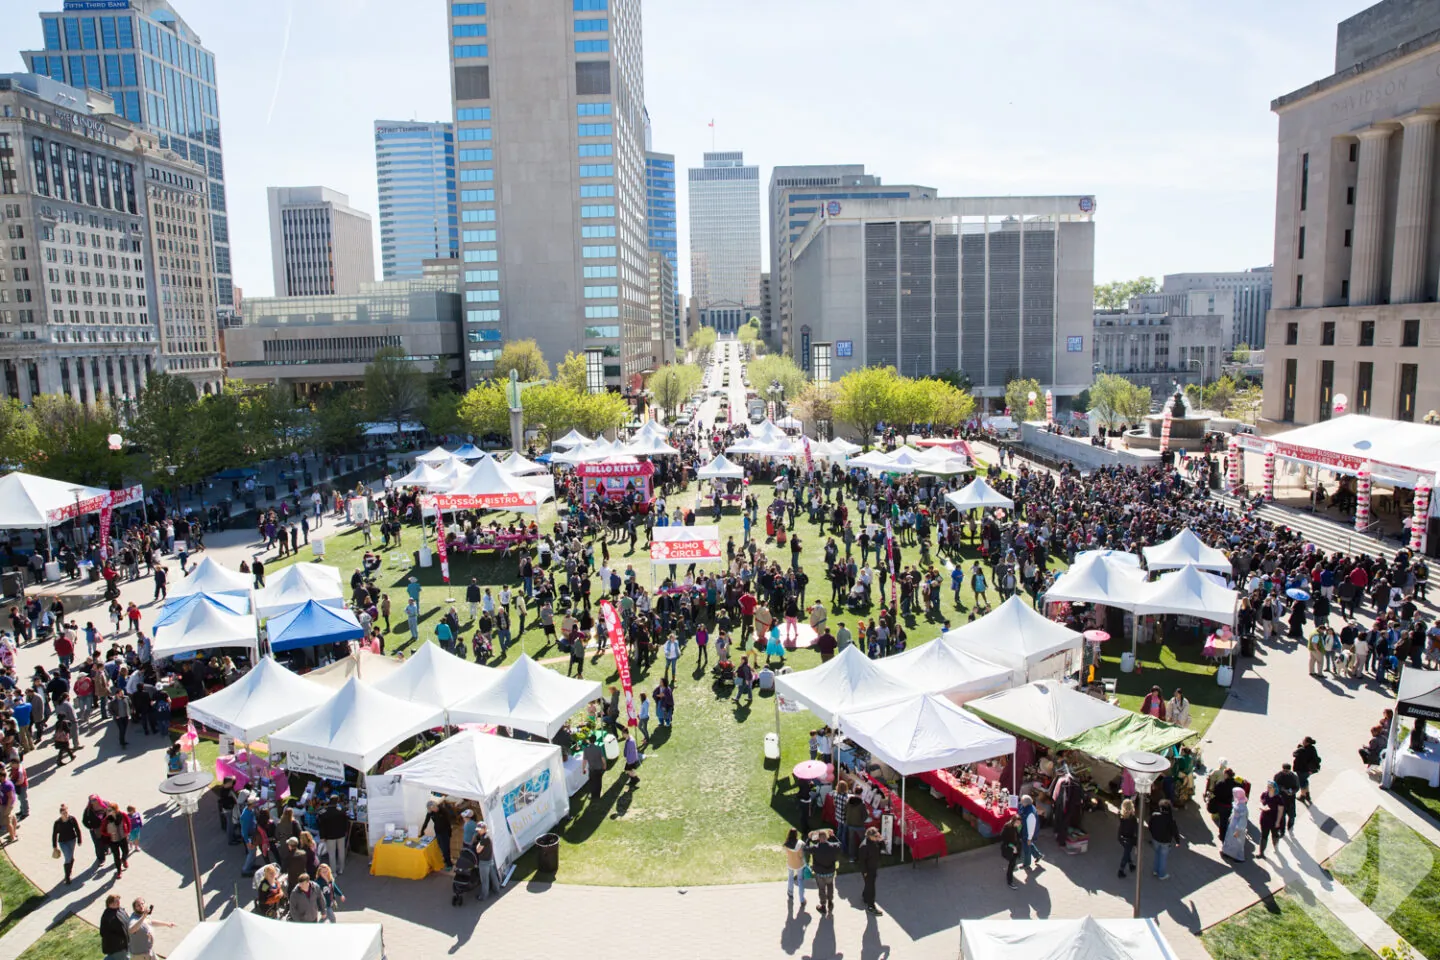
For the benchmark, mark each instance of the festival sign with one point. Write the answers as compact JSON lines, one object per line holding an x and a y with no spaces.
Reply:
{"x":504,"y":500}
{"x":685,"y":544}
{"x":616,"y":631}
{"x":317,"y":765}
{"x":611,"y":481}
{"x":112,"y":499}
{"x":525,"y":807}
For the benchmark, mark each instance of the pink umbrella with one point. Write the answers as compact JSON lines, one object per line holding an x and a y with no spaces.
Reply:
{"x":810,"y":770}
{"x":1096,"y":636}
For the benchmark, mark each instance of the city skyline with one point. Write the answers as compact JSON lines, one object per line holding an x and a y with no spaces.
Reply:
{"x":1182,"y":168}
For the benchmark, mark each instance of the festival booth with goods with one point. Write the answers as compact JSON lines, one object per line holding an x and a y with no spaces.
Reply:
{"x":516,"y":788}
{"x":209,"y":578}
{"x":484,"y":487}
{"x":312,"y":624}
{"x":429,"y":476}
{"x":1193,"y":597}
{"x":1110,"y":584}
{"x":1069,"y":748}
{"x":1185,"y":549}
{"x":979,"y":495}
{"x":929,"y":737}
{"x":297,"y":585}
{"x":202,"y":625}
{"x":30,"y":502}
{"x":244,"y":935}
{"x":1418,"y":701}
{"x":432,"y":676}
{"x":259,"y":703}
{"x":1016,"y":636}
{"x":1084,"y":939}
{"x":612,"y":481}
{"x":949,"y":671}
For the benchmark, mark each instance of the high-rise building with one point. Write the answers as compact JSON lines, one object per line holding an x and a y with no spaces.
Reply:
{"x":662,"y":309}
{"x":80,"y":286}
{"x":1357,"y":246}
{"x":999,"y":288}
{"x":661,"y":225}
{"x":144,"y":55}
{"x":725,"y":233}
{"x":319,"y":244}
{"x":419,"y":216}
{"x":798,"y":194}
{"x":549,"y":128}
{"x":1247,"y":291}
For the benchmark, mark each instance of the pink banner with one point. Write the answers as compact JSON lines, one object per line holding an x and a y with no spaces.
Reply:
{"x":809,"y":458}
{"x":1420,"y":522}
{"x":441,"y":550}
{"x":113,"y":498}
{"x":509,"y":500}
{"x":105,"y":516}
{"x":616,"y":630}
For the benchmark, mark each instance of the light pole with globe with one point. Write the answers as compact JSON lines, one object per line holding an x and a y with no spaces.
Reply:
{"x":1144,"y":768}
{"x":187,"y":788}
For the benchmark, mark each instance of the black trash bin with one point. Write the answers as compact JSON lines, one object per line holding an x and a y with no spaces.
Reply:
{"x":269,"y":491}
{"x":547,"y":854}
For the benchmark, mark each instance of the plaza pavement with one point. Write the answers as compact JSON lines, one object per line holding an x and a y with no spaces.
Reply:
{"x":1271,"y":707}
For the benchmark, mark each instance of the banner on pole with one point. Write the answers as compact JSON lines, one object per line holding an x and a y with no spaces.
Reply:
{"x":890,"y":562}
{"x":441,"y":550}
{"x":616,"y":631}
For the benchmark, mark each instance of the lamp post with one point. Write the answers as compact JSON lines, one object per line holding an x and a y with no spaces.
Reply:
{"x":1144,"y":768}
{"x":170,"y":469}
{"x":186,"y":788}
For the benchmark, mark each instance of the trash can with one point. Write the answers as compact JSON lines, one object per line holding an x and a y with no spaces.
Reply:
{"x":547,"y":854}
{"x":269,"y":491}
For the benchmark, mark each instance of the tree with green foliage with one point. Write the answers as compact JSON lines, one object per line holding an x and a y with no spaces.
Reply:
{"x":1115,"y":401}
{"x":164,"y":423}
{"x":958,"y":379}
{"x":1080,"y":402}
{"x":1213,"y":396}
{"x":552,"y":408}
{"x":1245,"y":406}
{"x":525,"y":358}
{"x":395,"y":390}
{"x":272,"y":422}
{"x":749,"y":331}
{"x":19,"y":436}
{"x":949,"y":405}
{"x":1017,"y":399}
{"x":596,"y":413}
{"x":702,"y":340}
{"x":816,"y":403}
{"x":75,"y":442}
{"x":338,"y":413}
{"x":672,"y":383}
{"x":485,"y":410}
{"x":776,"y":367}
{"x":865,"y":398}
{"x":1241,"y":353}
{"x":1116,"y":294}
{"x":571,"y":372}
{"x":442,"y":413}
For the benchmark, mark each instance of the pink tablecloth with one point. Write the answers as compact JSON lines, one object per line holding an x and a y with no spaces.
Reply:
{"x":242,"y":766}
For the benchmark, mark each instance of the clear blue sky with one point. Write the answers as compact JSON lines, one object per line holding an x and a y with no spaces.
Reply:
{"x":1159,"y":109}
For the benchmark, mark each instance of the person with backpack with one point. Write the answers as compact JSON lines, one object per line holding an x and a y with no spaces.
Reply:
{"x":1010,"y":849}
{"x":1307,"y":763}
{"x":1164,"y":834}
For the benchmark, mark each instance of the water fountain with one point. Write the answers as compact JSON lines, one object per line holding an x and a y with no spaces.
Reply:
{"x":1187,"y":427}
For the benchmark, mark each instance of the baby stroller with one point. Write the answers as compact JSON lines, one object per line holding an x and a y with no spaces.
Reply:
{"x":724,"y":671}
{"x":467,"y":876}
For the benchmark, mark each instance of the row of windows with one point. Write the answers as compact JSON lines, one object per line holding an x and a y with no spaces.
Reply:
{"x":588,"y":6}
{"x":597,"y":253}
{"x":597,"y":150}
{"x":477,"y":155}
{"x":597,"y":129}
{"x":591,"y":212}
{"x":477,"y":196}
{"x":470,"y":30}
{"x":591,"y":293}
{"x":477,"y":236}
{"x":597,"y":169}
{"x":477,"y":216}
{"x":464,"y":50}
{"x":608,"y":332}
{"x":592,"y":109}
{"x":472,"y":113}
{"x":115,"y":33}
{"x":467,"y":9}
{"x":592,"y":26}
{"x":482,"y":276}
{"x":482,"y":296}
{"x":483,"y":175}
{"x":597,"y":233}
{"x":475,"y":133}
{"x":482,"y":316}
{"x":592,"y":46}
{"x":602,"y":313}
{"x":482,"y":256}
{"x":597,"y":190}
{"x":601,"y":273}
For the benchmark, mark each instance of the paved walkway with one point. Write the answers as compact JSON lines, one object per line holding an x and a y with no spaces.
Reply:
{"x":1270,"y":708}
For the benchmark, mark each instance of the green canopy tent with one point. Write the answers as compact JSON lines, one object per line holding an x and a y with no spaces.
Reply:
{"x":1134,"y":731}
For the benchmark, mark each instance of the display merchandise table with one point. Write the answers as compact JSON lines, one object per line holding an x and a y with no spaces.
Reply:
{"x":407,"y":859}
{"x":244,"y":767}
{"x":1425,"y":766}
{"x":922,"y":837}
{"x":983,"y":817}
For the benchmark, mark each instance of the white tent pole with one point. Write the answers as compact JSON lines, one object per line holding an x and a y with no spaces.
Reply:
{"x":904,"y":813}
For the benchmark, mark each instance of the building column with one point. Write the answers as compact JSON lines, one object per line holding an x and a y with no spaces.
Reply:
{"x":1367,"y":254}
{"x":1412,"y":209}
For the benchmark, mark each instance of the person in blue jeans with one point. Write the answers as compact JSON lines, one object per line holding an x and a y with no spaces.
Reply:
{"x":247,"y":833}
{"x":1029,"y":831}
{"x":1163,"y":835}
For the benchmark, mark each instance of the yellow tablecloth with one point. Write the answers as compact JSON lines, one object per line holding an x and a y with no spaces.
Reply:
{"x":408,"y":863}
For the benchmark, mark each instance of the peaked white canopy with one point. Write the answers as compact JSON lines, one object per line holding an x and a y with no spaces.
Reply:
{"x":356,"y":726}
{"x":486,"y":479}
{"x":528,"y":697}
{"x":1190,"y":592}
{"x":204,"y":626}
{"x":209,"y":576}
{"x":850,"y":681}
{"x":468,"y":451}
{"x":649,"y":445}
{"x":27,"y":500}
{"x":1082,"y":939}
{"x":297,"y":584}
{"x":1118,"y":556}
{"x":1185,"y":549}
{"x":431,"y":475}
{"x":653,"y":428}
{"x":924,"y":733}
{"x":947,"y":466}
{"x":876,"y":461}
{"x":1097,"y":578}
{"x":370,"y":667}
{"x":1017,"y":636}
{"x":438,"y":455}
{"x":1045,"y":711}
{"x":248,"y":936}
{"x":948,"y":670}
{"x":750,"y":445}
{"x":264,"y":700}
{"x":721,"y":469}
{"x":790,"y":424}
{"x":977,"y":494}
{"x":572,"y":439}
{"x":842,"y":446}
{"x":432,"y":676}
{"x":515,"y":464}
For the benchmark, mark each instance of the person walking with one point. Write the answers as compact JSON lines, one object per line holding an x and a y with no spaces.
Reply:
{"x":794,"y":866}
{"x":115,"y":829}
{"x":1272,"y":809}
{"x":1029,"y":832}
{"x":1307,"y":763}
{"x":330,"y":892}
{"x":412,"y":618}
{"x":824,"y":853}
{"x":671,"y":652}
{"x":114,"y":930}
{"x":1129,"y":836}
{"x":120,"y":710}
{"x":306,"y":900}
{"x":140,"y":928}
{"x":1164,"y":834}
{"x":1237,"y":831}
{"x":1010,"y":849}
{"x":485,"y":854}
{"x":644,"y":718}
{"x":870,"y":868}
{"x":1287,"y":785}
{"x":65,"y":836}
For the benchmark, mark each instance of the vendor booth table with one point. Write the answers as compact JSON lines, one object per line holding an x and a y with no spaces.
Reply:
{"x":411,"y":859}
{"x":986,"y":820}
{"x":1425,"y":766}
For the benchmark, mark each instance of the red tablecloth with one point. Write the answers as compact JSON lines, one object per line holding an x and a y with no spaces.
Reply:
{"x":957,"y":796}
{"x":922,"y":837}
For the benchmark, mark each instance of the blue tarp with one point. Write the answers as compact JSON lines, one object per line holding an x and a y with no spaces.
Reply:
{"x":310,"y":625}
{"x":174,"y":610}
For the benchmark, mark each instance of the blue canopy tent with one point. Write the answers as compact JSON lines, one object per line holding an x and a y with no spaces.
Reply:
{"x":468,"y":452}
{"x":176,"y":610}
{"x":310,"y":625}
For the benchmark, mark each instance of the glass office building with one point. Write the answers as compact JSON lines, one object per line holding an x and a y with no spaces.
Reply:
{"x":660,"y":227}
{"x":142,"y":53}
{"x":419,"y":212}
{"x":725,"y":231}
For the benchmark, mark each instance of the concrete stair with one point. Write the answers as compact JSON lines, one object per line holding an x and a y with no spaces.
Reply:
{"x":1328,"y":535}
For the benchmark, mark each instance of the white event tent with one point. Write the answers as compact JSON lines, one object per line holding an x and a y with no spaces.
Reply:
{"x":516,"y":464}
{"x":204,"y":626}
{"x":486,"y":487}
{"x":432,"y":676}
{"x":438,"y":455}
{"x":176,"y":609}
{"x":529,"y":697}
{"x":944,"y":669}
{"x":28,"y":502}
{"x":653,"y":428}
{"x":876,"y":461}
{"x":431,"y":475}
{"x":1188,"y":592}
{"x":1099,"y":579}
{"x":924,"y":733}
{"x":261,"y":702}
{"x":354,"y":728}
{"x":508,"y":778}
{"x":572,"y":439}
{"x":848,"y":682}
{"x":1047,"y":710}
{"x":1084,"y":939}
{"x":649,"y":445}
{"x":211,"y":578}
{"x":721,"y":469}
{"x":978,"y":494}
{"x":248,"y":936}
{"x":297,"y":584}
{"x":1186,"y":550}
{"x":367,"y":666}
{"x":1017,"y":636}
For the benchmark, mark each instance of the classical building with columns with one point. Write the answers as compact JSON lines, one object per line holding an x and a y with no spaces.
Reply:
{"x":1357,"y":233}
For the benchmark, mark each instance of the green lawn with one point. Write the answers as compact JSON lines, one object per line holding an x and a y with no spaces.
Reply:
{"x":18,"y":896}
{"x":1424,"y":797}
{"x":1282,"y":928}
{"x":1396,"y":873}
{"x":1178,"y":664}
{"x":74,"y":939}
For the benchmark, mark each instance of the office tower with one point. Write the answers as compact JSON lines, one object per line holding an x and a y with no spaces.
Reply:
{"x":797,"y":195}
{"x":415,"y":173}
{"x":1356,"y":242}
{"x":79,"y":288}
{"x":660,"y":228}
{"x":999,"y":288}
{"x":725,"y":234}
{"x":662,"y":309}
{"x":1246,"y":292}
{"x":549,"y":128}
{"x":319,"y":244}
{"x":144,"y":55}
